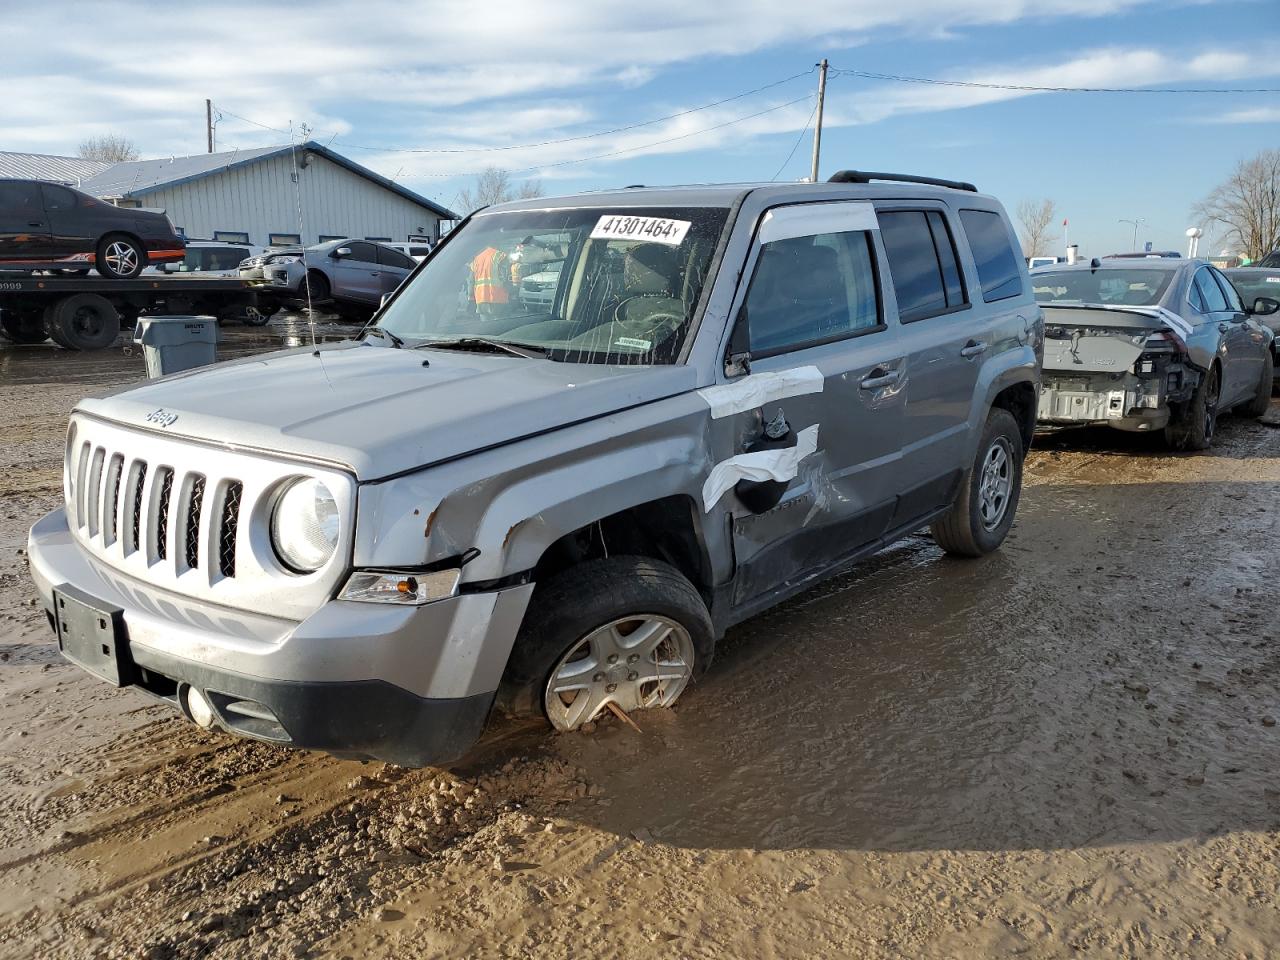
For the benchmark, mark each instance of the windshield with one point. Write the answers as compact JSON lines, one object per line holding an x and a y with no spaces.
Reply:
{"x":1132,"y":288}
{"x":583,"y":285}
{"x":1251,"y":286}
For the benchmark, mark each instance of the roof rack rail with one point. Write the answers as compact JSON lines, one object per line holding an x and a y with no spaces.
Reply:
{"x":863,"y":176}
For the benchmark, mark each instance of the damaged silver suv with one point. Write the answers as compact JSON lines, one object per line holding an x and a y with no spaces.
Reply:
{"x":555,"y":505}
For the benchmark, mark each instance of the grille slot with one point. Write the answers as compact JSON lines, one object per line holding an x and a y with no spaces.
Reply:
{"x":135,"y":520}
{"x":82,"y":468}
{"x":227,"y":528}
{"x":161,"y":542}
{"x":93,"y":491}
{"x":111,"y":505}
{"x":192,"y":534}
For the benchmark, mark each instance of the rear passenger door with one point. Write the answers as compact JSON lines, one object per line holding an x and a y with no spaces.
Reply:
{"x":944,"y":340}
{"x":394,"y":267}
{"x":826,"y":368}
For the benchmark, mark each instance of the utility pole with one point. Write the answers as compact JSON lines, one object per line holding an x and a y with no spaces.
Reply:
{"x":208,"y":122}
{"x":817,"y":127}
{"x":1135,"y":230}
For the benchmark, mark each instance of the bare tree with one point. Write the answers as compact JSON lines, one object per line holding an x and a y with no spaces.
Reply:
{"x":108,"y":146}
{"x":494,"y":185}
{"x":1037,"y":218}
{"x":1247,"y":206}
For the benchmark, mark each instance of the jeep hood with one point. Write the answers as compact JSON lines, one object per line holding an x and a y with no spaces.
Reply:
{"x":380,"y":411}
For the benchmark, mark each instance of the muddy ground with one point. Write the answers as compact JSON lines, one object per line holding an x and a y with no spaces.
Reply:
{"x":1067,"y":748}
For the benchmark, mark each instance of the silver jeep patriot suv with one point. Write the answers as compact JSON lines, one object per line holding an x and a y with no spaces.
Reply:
{"x":555,"y":505}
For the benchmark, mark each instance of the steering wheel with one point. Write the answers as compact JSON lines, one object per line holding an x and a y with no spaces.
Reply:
{"x":666,"y":315}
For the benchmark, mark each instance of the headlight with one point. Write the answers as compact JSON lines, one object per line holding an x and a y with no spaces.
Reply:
{"x":304,"y":526}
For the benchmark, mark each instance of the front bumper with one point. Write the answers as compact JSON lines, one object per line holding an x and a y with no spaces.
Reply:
{"x":409,"y":685}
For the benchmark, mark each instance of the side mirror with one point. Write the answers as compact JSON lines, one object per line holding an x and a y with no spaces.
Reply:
{"x":341,"y":252}
{"x":1265,"y":307}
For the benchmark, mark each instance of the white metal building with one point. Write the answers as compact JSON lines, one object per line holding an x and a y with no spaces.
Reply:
{"x":272,"y":196}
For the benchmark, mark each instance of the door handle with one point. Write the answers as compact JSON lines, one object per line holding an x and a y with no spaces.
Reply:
{"x":973,"y":348}
{"x":878,"y":378}
{"x":35,"y":223}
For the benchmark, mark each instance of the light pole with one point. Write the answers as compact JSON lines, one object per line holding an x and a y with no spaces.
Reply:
{"x":1135,"y":229}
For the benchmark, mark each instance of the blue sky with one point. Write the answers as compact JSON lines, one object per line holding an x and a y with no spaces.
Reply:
{"x":457,"y":75}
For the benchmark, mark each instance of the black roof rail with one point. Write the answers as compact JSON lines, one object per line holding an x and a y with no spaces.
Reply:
{"x":863,"y":176}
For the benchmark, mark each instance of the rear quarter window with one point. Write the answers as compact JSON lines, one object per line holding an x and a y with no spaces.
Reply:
{"x":993,"y":254}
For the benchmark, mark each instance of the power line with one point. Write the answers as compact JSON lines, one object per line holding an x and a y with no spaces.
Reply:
{"x":1029,"y":88}
{"x":547,"y":143}
{"x":795,"y":146}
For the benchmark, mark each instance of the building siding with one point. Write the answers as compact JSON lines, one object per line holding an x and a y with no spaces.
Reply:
{"x":261,"y":199}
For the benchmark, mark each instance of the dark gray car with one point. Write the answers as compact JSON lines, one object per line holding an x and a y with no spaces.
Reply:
{"x":558,"y":507}
{"x":348,"y":272}
{"x":1150,"y":345}
{"x":1259,"y":289}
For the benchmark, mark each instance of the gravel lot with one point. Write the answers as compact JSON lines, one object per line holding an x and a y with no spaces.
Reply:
{"x":1067,"y":748}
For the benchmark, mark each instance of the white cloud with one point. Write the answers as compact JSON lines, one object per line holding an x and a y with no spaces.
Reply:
{"x":1247,"y":115}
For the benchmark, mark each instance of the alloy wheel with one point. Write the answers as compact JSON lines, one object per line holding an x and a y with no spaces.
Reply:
{"x":995,"y":483}
{"x":634,"y":662}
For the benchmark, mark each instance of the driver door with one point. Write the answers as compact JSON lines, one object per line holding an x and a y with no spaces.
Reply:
{"x":356,"y":276}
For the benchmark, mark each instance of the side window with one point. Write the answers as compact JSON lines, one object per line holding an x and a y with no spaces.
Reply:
{"x":1228,"y":291}
{"x":993,"y":254}
{"x":808,"y":290}
{"x":21,"y":200}
{"x":362,"y":252}
{"x":1194,"y":298}
{"x":394,"y":258}
{"x":1210,"y":292}
{"x":922,"y":261}
{"x":57,"y":199}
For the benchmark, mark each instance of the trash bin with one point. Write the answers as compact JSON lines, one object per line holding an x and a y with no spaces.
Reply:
{"x":171,"y":344}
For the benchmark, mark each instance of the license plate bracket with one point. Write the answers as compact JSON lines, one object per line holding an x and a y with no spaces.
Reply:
{"x":91,"y":634}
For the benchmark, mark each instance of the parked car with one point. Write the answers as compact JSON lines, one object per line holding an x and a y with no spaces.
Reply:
{"x":1165,"y":344}
{"x":362,"y":548}
{"x":350,"y":273}
{"x":1145,"y":255}
{"x":1271,"y":260}
{"x":45,"y":226}
{"x":253,"y":269}
{"x":415,"y":251}
{"x":539,"y":289}
{"x":209,"y":258}
{"x":1256,"y":284}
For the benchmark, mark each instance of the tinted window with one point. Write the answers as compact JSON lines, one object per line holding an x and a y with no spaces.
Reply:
{"x":992,"y":254}
{"x":913,"y":263}
{"x":945,"y":247}
{"x":223,"y":258}
{"x":58,"y":199}
{"x":810,"y":289}
{"x":1233,"y":298}
{"x":231,"y":236}
{"x":21,"y":200}
{"x":362,"y":252}
{"x":1255,"y":285}
{"x":287,"y":239}
{"x":394,"y":258}
{"x":1210,"y":294}
{"x":419,"y":251}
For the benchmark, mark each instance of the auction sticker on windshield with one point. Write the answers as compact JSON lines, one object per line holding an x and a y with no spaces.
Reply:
{"x":651,"y":229}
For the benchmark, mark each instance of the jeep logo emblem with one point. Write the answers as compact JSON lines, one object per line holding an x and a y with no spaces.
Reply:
{"x":162,"y":417}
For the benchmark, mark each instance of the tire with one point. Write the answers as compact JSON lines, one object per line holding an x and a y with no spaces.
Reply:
{"x":1261,"y":402}
{"x":319,"y":287}
{"x":22,"y":326}
{"x":1193,"y":426}
{"x":83,"y":321}
{"x":580,"y":603}
{"x":120,"y":257}
{"x":256,"y":316}
{"x":983,"y":511}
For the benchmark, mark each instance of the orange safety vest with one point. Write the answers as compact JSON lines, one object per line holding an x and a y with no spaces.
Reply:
{"x":486,"y":272}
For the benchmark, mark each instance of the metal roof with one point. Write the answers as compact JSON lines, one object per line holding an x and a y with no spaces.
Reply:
{"x":43,"y":166}
{"x":140,"y":177}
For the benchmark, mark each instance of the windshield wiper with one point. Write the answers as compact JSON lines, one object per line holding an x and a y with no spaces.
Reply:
{"x":528,"y":351}
{"x":396,"y":341}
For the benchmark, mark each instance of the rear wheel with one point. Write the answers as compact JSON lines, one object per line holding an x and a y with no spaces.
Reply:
{"x":22,"y":326}
{"x":84,"y":321}
{"x":983,"y":512}
{"x":1192,"y":427}
{"x":1261,"y":401}
{"x":120,"y":257}
{"x":626,"y":631}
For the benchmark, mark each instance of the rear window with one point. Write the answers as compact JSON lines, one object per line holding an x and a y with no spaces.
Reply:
{"x":1135,"y":287}
{"x":993,"y":254}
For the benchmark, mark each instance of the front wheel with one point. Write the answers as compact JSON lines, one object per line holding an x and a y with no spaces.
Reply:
{"x":120,"y":257}
{"x":983,"y":512}
{"x":623,"y":631}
